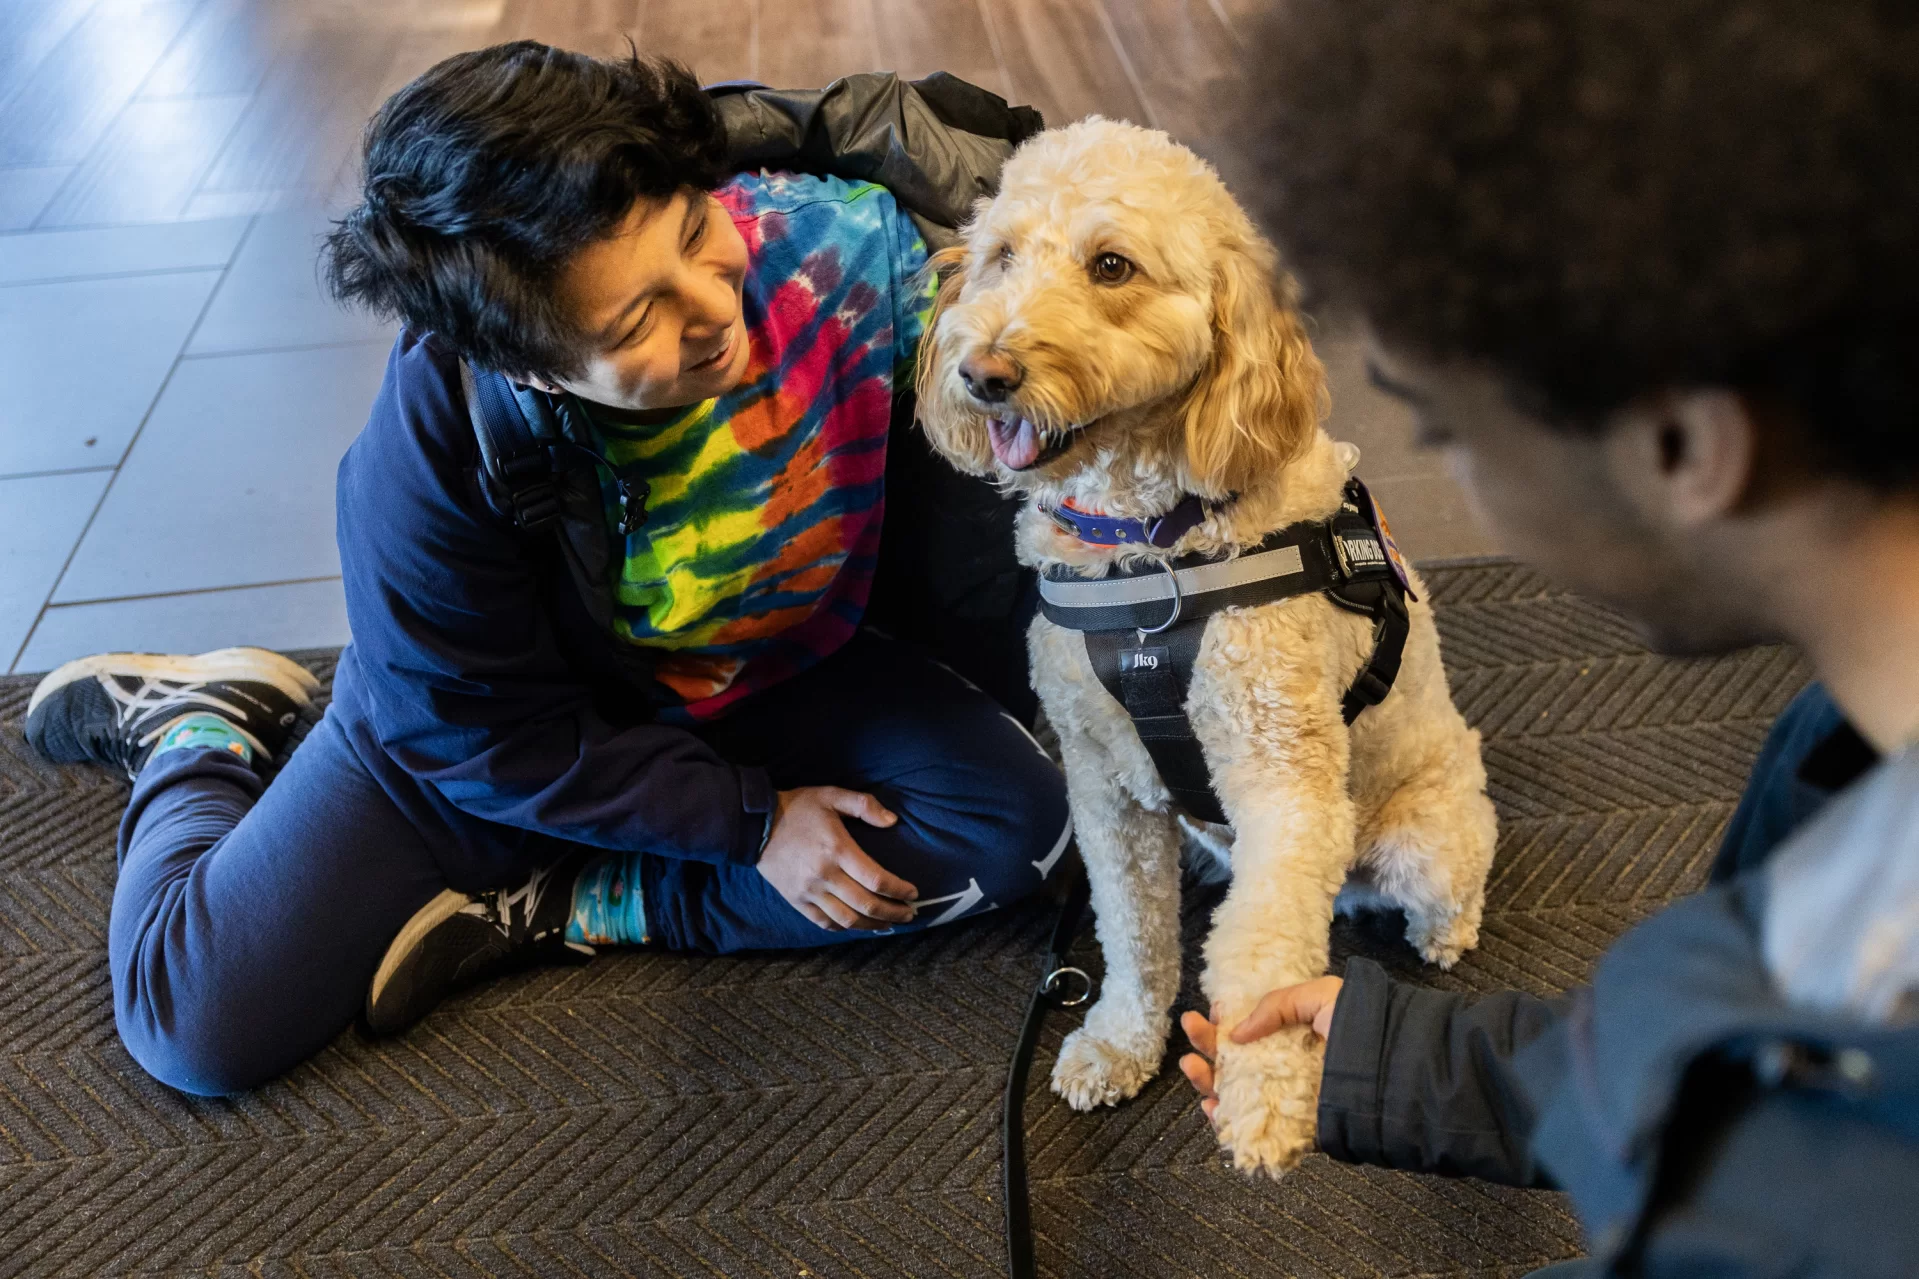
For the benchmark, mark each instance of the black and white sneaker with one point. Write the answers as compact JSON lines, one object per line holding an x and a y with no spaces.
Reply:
{"x":458,"y":939}
{"x":112,"y":708}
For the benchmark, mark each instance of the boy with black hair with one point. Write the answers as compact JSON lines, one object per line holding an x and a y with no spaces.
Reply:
{"x":1648,"y":271}
{"x":648,"y":716}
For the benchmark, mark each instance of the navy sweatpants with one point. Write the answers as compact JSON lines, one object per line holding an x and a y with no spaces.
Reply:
{"x":248,"y":919}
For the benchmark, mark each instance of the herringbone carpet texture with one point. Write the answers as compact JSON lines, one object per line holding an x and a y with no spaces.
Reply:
{"x":829,"y":1114}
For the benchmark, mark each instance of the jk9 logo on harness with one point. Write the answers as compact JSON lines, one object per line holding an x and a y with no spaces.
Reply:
{"x":1132,"y":660}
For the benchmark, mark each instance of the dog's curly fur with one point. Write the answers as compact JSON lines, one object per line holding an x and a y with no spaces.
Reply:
{"x":1195,"y":375}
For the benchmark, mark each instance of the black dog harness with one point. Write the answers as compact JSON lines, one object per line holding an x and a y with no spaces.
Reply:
{"x":1143,"y":626}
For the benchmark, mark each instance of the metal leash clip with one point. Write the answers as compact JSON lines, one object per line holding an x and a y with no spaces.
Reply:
{"x":1049,"y":987}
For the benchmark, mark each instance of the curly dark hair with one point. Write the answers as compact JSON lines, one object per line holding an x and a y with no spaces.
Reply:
{"x":1605,"y":197}
{"x":487,"y":172}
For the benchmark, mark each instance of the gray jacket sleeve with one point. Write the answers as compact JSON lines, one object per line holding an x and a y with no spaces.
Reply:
{"x":937,"y":144}
{"x":1422,"y":1079}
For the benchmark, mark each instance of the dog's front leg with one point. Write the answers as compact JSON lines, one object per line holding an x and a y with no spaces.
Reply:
{"x":1130,"y":844}
{"x":1281,"y":760}
{"x":1132,"y":866}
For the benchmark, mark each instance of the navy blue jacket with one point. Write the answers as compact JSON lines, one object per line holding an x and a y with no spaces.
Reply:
{"x":479,"y":689}
{"x":1702,"y":1124}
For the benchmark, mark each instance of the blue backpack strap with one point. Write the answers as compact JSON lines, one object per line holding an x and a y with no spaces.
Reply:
{"x":513,"y":450}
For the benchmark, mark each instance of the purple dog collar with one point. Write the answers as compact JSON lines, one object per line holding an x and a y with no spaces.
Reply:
{"x":1113,"y":530}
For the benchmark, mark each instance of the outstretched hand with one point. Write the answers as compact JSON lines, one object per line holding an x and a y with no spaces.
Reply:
{"x":1308,"y":1004}
{"x":813,"y":863}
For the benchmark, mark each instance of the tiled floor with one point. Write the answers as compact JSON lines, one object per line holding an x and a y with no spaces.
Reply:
{"x":179,"y":397}
{"x":179,"y":389}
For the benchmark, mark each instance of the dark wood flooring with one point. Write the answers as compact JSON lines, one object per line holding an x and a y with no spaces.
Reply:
{"x":147,"y":110}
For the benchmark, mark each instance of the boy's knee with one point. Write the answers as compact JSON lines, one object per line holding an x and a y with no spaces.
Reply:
{"x":193,"y":1059}
{"x":1037,"y":825}
{"x":187,"y":1044}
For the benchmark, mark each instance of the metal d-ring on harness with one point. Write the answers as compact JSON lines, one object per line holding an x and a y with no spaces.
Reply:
{"x":1179,"y":602}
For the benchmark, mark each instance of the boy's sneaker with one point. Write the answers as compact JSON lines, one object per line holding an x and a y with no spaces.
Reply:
{"x":113,"y":708}
{"x":458,"y":939}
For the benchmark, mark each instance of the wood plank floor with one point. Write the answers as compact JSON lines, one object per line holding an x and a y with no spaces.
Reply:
{"x":160,"y":109}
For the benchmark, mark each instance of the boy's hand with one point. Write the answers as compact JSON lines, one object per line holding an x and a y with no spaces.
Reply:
{"x":813,"y":863}
{"x":1309,"y":1003}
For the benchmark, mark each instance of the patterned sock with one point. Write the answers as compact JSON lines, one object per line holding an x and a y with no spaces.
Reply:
{"x":203,"y":728}
{"x":607,"y":910}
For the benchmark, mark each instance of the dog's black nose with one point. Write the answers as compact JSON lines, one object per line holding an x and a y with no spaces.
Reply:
{"x":990,"y":378}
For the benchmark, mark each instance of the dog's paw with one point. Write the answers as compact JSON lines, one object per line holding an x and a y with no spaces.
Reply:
{"x":1444,"y":940}
{"x":1092,"y":1071}
{"x":1268,"y":1115}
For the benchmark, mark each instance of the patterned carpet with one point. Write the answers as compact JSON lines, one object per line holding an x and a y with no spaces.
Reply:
{"x":826,"y":1114}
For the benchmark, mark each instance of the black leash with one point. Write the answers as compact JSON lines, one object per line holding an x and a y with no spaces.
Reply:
{"x":1055,"y":990}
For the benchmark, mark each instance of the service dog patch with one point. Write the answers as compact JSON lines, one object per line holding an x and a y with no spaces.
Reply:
{"x":1394,"y":559}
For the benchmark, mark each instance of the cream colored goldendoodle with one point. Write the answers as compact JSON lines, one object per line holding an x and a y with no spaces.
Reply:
{"x":1145,"y":347}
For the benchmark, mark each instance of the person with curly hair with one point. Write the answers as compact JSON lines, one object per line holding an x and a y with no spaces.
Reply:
{"x":620,"y":688}
{"x":1647,"y":271}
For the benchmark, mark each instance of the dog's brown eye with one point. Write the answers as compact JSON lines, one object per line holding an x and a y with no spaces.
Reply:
{"x":1111,"y":268}
{"x":1005,"y":254}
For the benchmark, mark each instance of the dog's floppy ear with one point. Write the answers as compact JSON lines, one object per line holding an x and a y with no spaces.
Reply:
{"x":1257,"y":404}
{"x":959,"y":435}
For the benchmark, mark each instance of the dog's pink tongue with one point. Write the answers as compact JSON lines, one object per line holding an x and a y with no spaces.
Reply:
{"x":1015,"y":443}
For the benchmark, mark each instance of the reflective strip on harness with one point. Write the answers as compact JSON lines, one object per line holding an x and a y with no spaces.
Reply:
{"x":1261,"y":566}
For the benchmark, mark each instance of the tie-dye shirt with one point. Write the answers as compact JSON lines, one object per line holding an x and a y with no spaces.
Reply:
{"x":762,"y":530}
